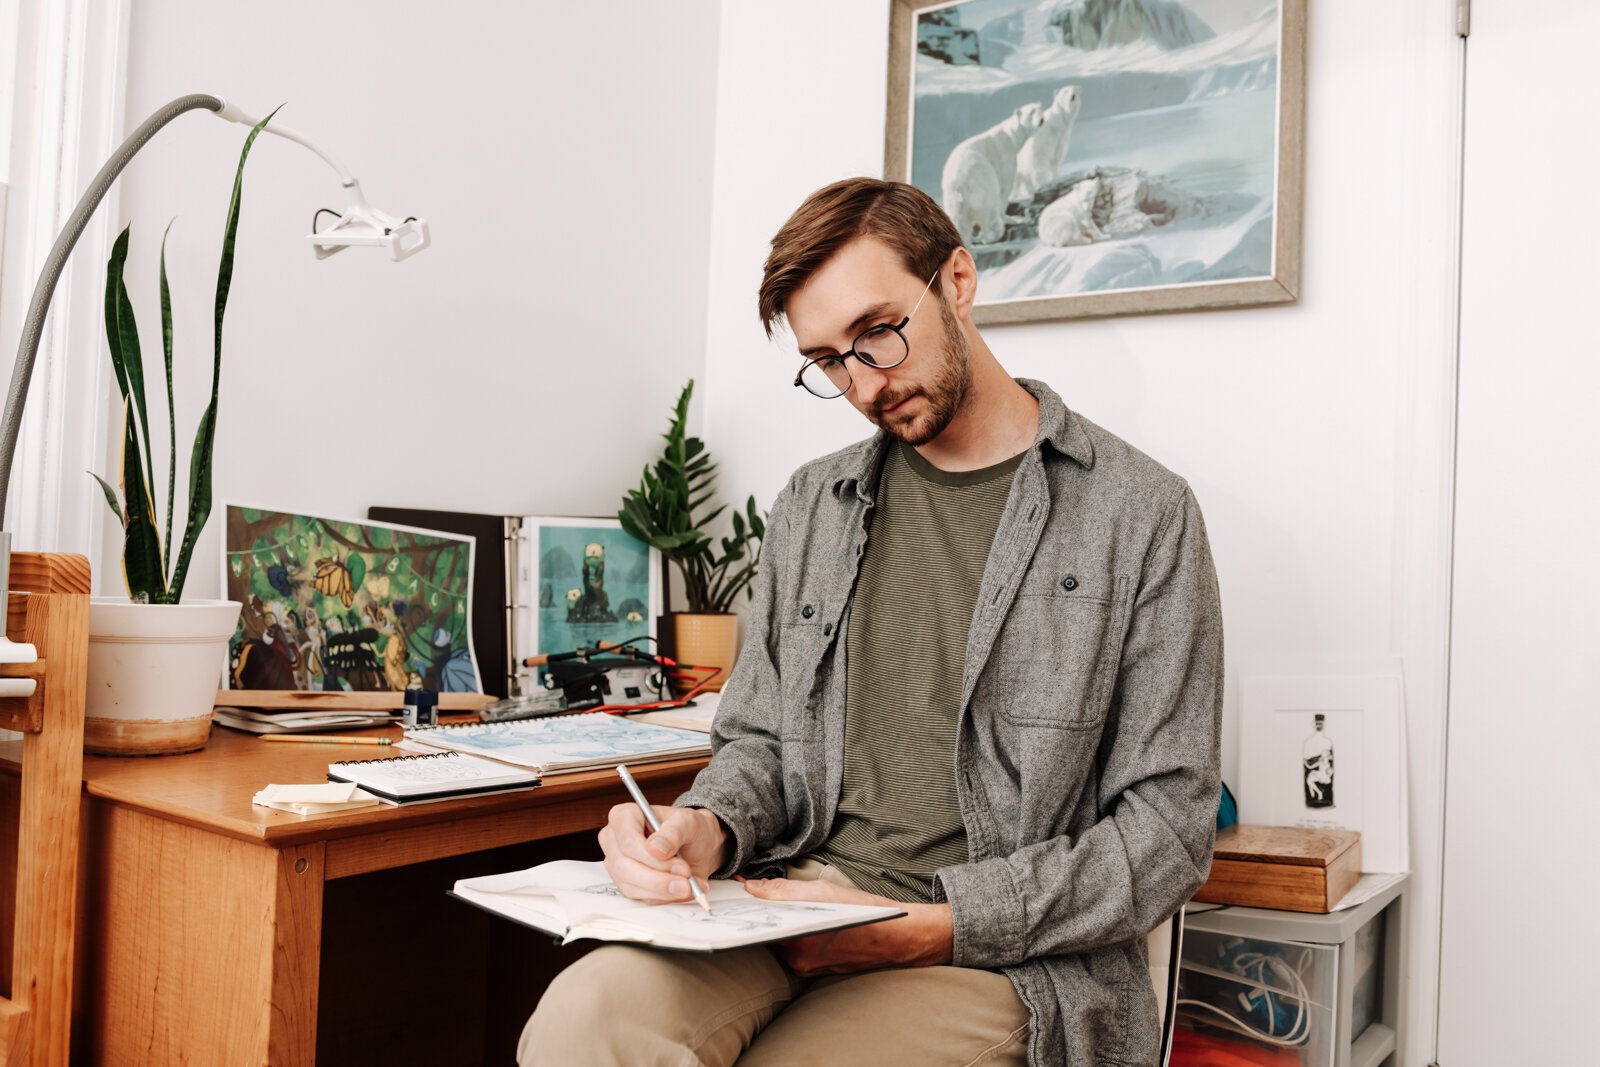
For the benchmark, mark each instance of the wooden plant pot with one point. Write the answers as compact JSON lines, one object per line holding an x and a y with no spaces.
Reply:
{"x":153,"y":674}
{"x":707,"y":641}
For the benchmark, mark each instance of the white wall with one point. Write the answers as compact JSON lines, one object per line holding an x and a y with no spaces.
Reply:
{"x":1315,"y":435}
{"x":526,"y":362}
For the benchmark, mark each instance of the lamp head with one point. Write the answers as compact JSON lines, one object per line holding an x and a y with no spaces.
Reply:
{"x":362,"y":224}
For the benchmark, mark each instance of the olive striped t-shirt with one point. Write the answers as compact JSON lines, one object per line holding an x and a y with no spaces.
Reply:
{"x":906,"y":647}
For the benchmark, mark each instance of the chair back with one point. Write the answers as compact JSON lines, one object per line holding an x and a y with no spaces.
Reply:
{"x":39,"y":811}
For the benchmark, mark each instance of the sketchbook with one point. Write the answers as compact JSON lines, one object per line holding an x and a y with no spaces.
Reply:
{"x":431,"y":776}
{"x":574,"y":900}
{"x":566,"y":742}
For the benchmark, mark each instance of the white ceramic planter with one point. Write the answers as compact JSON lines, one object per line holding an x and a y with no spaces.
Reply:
{"x":154,"y":671}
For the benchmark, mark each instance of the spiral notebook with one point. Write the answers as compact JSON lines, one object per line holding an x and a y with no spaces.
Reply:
{"x":432,"y":776}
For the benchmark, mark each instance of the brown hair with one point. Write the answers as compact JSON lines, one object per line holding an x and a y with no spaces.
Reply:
{"x":903,"y":216}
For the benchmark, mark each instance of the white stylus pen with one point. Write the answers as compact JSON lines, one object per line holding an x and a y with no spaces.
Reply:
{"x":655,"y":824}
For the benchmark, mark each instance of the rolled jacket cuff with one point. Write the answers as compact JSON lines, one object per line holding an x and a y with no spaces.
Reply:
{"x":986,"y":912}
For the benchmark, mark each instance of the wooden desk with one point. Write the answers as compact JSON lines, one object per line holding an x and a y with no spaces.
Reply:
{"x":201,"y":914}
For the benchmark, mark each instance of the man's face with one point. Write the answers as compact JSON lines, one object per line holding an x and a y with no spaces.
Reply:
{"x":866,"y":284}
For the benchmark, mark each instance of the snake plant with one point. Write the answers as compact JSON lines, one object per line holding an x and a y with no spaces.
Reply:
{"x":151,"y":572}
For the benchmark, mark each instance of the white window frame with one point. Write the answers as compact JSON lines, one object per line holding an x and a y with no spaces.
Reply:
{"x":67,"y":116}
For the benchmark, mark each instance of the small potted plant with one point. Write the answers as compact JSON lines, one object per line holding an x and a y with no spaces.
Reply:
{"x":154,"y":657}
{"x":669,"y":511}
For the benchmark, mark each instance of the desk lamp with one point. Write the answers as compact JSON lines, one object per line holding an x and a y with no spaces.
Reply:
{"x":359,"y":224}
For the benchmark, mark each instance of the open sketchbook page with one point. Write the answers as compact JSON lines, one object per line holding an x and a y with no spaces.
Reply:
{"x":566,"y":742}
{"x":575,"y":900}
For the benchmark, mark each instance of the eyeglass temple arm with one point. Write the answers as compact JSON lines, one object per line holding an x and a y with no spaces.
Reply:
{"x":925,"y":289}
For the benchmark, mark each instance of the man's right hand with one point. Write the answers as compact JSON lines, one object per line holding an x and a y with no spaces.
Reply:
{"x":656,"y":867}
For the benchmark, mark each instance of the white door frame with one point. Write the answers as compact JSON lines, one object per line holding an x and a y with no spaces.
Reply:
{"x":1429,"y":171}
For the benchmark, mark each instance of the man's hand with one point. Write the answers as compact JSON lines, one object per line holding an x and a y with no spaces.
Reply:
{"x":656,"y":867}
{"x":924,"y":938}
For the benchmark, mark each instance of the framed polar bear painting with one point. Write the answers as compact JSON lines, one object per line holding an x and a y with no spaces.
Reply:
{"x":1106,"y":157}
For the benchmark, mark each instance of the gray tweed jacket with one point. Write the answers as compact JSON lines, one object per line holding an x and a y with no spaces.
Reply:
{"x":1087,"y":750}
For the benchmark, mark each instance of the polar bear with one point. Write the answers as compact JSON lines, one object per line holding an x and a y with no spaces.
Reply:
{"x":980,"y":172}
{"x":1070,"y":220}
{"x":1040,"y":159}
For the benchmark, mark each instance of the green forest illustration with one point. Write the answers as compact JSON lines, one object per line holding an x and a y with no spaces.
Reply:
{"x":338,"y":605}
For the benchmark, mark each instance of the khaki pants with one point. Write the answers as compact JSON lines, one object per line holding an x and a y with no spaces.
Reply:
{"x":638,"y":1007}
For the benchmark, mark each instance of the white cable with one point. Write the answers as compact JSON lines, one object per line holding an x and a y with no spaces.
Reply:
{"x":1261,"y":962}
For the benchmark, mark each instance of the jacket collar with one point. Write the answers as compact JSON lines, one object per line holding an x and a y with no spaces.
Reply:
{"x":1058,"y":427}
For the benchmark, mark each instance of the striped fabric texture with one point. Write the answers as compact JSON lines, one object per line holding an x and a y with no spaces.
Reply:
{"x":906,"y":644}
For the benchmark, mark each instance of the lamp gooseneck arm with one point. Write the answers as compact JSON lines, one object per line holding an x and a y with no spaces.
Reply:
{"x":39,"y":306}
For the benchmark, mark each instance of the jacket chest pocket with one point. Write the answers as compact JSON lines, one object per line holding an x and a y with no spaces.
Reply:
{"x":805,"y":630}
{"x":1055,"y":658}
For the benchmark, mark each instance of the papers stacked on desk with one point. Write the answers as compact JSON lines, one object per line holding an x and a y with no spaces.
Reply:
{"x":566,"y":742}
{"x":293,"y":720}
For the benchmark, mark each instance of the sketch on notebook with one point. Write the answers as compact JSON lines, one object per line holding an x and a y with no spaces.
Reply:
{"x":741,"y":916}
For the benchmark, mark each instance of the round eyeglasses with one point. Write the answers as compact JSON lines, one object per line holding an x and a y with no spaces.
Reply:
{"x":880,"y":347}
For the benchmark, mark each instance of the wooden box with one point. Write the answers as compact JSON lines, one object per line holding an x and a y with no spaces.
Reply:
{"x":1282,"y":867}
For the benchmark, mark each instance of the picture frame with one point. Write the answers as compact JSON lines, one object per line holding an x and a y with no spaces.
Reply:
{"x":1155,"y":171}
{"x":562,"y":602}
{"x":341,"y":605}
{"x":1327,"y":750}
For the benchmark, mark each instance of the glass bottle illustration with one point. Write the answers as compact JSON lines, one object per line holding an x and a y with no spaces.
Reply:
{"x":1317,"y":767}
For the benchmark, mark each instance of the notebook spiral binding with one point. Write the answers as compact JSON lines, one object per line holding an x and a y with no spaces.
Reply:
{"x":391,"y":759}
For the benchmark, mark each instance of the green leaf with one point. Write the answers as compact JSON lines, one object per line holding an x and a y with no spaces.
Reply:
{"x":172,"y":411}
{"x":122,"y":325}
{"x":122,"y":338}
{"x":205,"y":438}
{"x":111,"y":499}
{"x":141,"y":544}
{"x":114,"y":265}
{"x":357,"y":564}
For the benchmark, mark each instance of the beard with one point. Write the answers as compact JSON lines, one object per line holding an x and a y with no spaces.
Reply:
{"x":945,"y":393}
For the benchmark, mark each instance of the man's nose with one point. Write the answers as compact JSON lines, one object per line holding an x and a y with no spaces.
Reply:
{"x":869,"y":381}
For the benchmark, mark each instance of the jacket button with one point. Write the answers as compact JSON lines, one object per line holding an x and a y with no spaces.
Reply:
{"x":1069,"y":583}
{"x":827,"y":628}
{"x":806,"y":612}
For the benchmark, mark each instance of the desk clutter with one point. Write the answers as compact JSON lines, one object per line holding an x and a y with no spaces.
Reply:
{"x":473,"y":759}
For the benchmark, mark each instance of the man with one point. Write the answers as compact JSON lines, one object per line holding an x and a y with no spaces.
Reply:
{"x":982,"y":678}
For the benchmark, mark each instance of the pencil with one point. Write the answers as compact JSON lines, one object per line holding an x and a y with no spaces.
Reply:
{"x":324,"y":739}
{"x":655,"y":824}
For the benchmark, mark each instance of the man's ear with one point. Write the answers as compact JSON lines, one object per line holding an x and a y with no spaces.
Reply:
{"x":963,"y":280}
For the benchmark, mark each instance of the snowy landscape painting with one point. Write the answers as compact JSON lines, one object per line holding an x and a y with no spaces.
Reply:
{"x":1106,"y":156}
